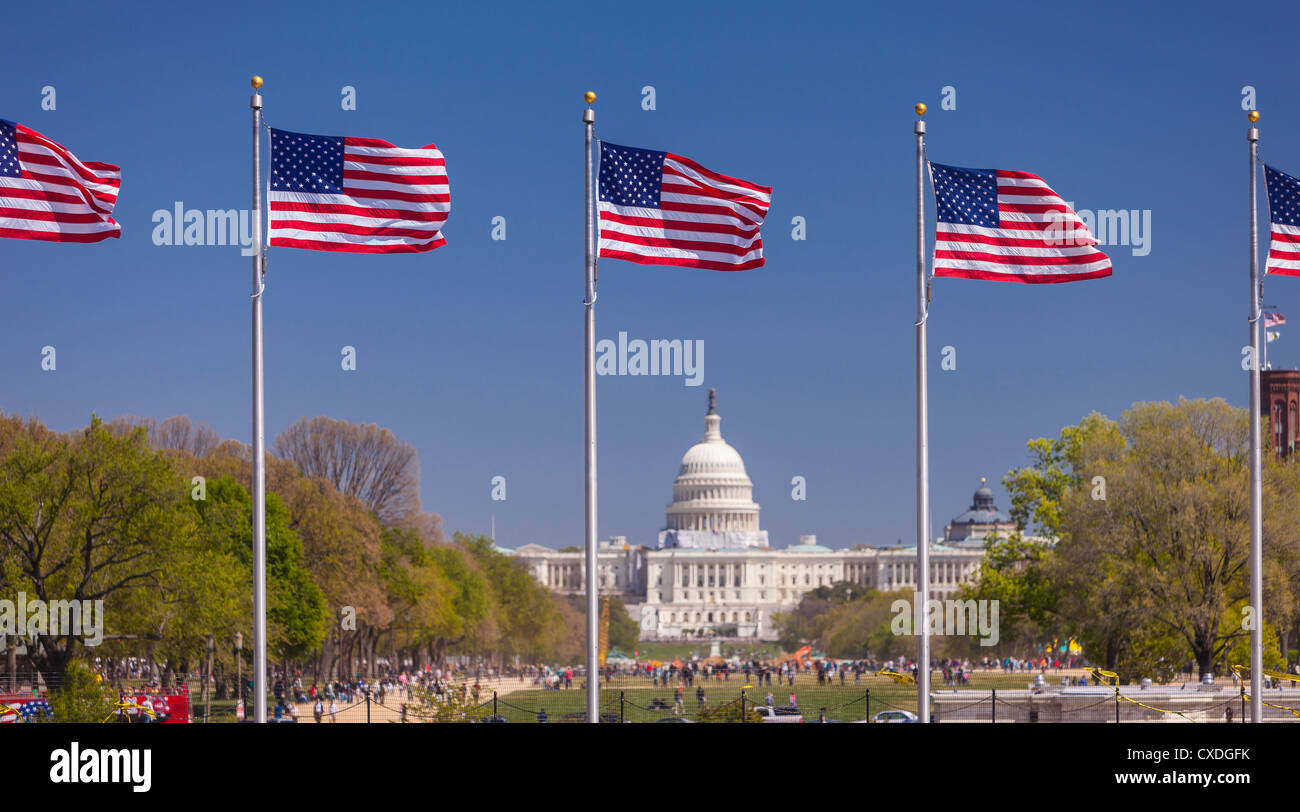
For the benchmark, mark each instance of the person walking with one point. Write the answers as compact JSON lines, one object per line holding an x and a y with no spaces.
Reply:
{"x":334,"y":710}
{"x":318,"y":710}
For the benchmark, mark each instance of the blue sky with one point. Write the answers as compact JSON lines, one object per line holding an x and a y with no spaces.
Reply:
{"x":473,"y":353}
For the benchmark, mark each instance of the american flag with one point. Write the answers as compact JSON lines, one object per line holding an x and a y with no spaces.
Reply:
{"x":1274,"y":319}
{"x":1001,"y":224}
{"x":46,"y":193}
{"x":15,"y":711}
{"x":332,"y":193}
{"x":657,"y":208}
{"x":1284,"y":212}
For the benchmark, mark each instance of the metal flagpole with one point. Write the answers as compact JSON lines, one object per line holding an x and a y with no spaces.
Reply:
{"x":922,"y":440}
{"x":1263,"y":347}
{"x":259,"y":431}
{"x":593,"y":629}
{"x":1263,"y":350}
{"x":1256,"y":463}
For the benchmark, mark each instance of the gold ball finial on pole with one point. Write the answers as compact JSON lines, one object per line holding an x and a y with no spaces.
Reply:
{"x":920,"y":109}
{"x":256,"y":82}
{"x":1253,"y":115}
{"x":590,"y":97}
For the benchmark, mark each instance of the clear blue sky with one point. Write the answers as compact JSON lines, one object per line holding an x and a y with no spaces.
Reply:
{"x":473,"y":353}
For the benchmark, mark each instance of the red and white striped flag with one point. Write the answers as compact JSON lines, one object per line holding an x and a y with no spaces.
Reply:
{"x":1284,"y":222}
{"x":1011,"y":226}
{"x":46,"y":193}
{"x":657,"y":208}
{"x":331,"y":193}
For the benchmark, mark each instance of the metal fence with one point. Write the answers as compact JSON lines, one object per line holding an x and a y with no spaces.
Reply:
{"x":1105,"y":704}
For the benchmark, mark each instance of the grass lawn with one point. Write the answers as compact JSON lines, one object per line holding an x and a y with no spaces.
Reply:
{"x":845,"y":704}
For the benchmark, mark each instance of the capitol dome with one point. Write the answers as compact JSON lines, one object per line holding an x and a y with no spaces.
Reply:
{"x":712,"y":454}
{"x":982,"y":520}
{"x":713,"y":505}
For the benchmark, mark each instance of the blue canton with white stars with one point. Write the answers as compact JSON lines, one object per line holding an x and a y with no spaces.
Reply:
{"x":631,"y":176}
{"x":966,"y":197}
{"x":311,"y":164}
{"x":1283,"y":197}
{"x":9,"y":165}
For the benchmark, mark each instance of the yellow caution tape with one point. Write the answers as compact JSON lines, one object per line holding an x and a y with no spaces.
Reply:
{"x":120,"y":707}
{"x":1148,"y":707}
{"x":1103,"y":675}
{"x":1268,"y":672}
{"x":1292,"y":711}
{"x":1112,"y":679}
{"x":1106,"y":676}
{"x":1241,"y":670}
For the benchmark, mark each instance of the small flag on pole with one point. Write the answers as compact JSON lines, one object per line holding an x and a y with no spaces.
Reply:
{"x":331,"y":193}
{"x":1284,"y":216}
{"x":1274,"y":319}
{"x":1010,"y":226}
{"x":46,"y":193}
{"x":657,"y":208}
{"x":1272,"y":336}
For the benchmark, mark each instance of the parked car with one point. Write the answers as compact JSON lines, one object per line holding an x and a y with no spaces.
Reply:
{"x":894,"y":716}
{"x":779,"y":713}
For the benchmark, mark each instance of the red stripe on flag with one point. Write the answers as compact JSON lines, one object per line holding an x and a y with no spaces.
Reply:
{"x":357,"y":248}
{"x":358,"y":230}
{"x":679,"y":225}
{"x":1031,"y":279}
{"x":681,"y":262}
{"x":1015,"y":242}
{"x":1016,"y":259}
{"x":359,"y":211}
{"x":59,"y":236}
{"x":388,"y":194}
{"x":684,"y":245}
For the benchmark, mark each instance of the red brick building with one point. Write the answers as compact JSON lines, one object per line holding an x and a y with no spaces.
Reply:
{"x":1279,"y":400}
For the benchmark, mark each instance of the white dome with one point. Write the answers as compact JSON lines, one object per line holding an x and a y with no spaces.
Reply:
{"x":713,"y":455}
{"x":712,"y":493}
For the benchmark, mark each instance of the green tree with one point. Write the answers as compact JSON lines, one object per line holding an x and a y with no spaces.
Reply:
{"x":469,"y":621}
{"x":80,"y":697}
{"x":1150,"y":519}
{"x":87,"y":517}
{"x":421,"y":596}
{"x":528,"y":622}
{"x":296,"y":610}
{"x":624,"y":631}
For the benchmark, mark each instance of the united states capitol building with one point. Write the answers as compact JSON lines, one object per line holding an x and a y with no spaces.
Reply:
{"x":714,"y":571}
